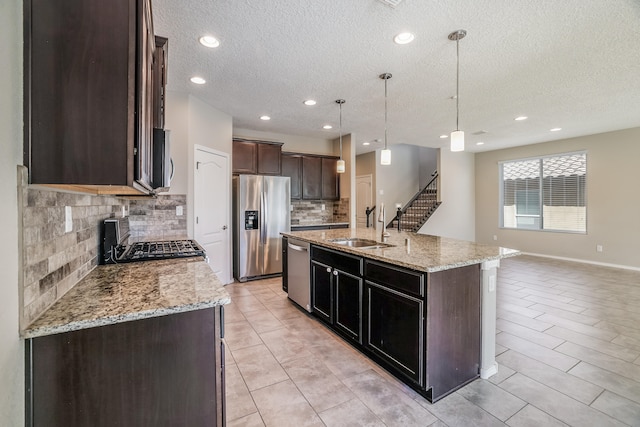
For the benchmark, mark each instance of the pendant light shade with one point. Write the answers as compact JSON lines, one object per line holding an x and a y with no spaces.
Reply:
{"x":457,"y":140}
{"x":385,"y":155}
{"x":457,"y":137}
{"x":340,"y":166}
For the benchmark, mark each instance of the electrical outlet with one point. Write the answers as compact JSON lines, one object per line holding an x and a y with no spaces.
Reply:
{"x":492,"y":283}
{"x":322,"y":207}
{"x":495,"y":237}
{"x":381,"y":192}
{"x":68,"y":219}
{"x":179,"y":211}
{"x":124,"y":212}
{"x":599,"y":248}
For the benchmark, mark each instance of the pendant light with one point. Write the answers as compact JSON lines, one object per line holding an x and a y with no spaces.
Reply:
{"x":457,"y":137}
{"x":340,"y":167}
{"x":385,"y":155}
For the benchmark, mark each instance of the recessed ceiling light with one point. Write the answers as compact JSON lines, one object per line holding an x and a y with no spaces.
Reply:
{"x":404,"y":38}
{"x":265,"y":118}
{"x":198,"y":80}
{"x":444,"y":136}
{"x":309,"y":102}
{"x":209,"y":41}
{"x":555,"y":129}
{"x":366,"y":143}
{"x":327,"y":127}
{"x":520,"y":118}
{"x":479,"y":143}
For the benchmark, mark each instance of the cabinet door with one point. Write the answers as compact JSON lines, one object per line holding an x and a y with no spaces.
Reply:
{"x":311,"y":178}
{"x":322,"y":291}
{"x":245,"y":157}
{"x":144,"y":104}
{"x":330,"y":187}
{"x":269,"y":157}
{"x":292,"y":167}
{"x":348,"y":304}
{"x":395,"y":330}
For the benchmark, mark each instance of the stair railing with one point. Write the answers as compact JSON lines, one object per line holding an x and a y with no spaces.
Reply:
{"x":430,"y":189}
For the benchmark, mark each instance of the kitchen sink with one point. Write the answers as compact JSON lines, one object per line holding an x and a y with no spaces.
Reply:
{"x":360,"y":243}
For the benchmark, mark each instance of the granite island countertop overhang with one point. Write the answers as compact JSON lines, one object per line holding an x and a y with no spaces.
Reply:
{"x":118,"y":293}
{"x":423,"y":253}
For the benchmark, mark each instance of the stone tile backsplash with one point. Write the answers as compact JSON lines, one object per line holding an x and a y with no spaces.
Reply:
{"x":310,"y":212}
{"x":156,"y":218}
{"x":53,"y":260}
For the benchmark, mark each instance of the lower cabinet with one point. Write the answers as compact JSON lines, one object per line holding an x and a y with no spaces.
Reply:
{"x":336,"y":289}
{"x":394,"y":330}
{"x":160,"y":371}
{"x":423,"y":327}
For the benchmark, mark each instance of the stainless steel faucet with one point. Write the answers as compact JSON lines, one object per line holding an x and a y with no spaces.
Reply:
{"x":382,"y":217}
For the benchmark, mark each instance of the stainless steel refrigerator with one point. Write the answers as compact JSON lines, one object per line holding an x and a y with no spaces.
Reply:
{"x":261,"y":211}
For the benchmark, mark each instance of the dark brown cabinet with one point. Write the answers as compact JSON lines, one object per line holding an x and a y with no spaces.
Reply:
{"x":395,"y":326}
{"x":160,"y":371}
{"x":292,"y":167}
{"x":257,"y":157}
{"x":312,"y":177}
{"x":336,"y":290}
{"x":89,"y":68}
{"x":330,"y":189}
{"x":423,"y":327}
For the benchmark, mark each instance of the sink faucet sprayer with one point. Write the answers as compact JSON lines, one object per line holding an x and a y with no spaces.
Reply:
{"x":382,"y":218}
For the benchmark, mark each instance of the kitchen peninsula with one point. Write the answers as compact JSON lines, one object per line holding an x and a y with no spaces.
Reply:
{"x":424,"y":307}
{"x":131,"y":344}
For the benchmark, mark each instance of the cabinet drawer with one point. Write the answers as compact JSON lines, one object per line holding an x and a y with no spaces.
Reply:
{"x":400,"y":279}
{"x":347,"y":263}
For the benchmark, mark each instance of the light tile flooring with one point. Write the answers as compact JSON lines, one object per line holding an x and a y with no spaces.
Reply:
{"x":568,"y":347}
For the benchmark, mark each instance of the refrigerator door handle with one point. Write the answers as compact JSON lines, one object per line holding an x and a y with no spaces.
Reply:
{"x":263,"y":219}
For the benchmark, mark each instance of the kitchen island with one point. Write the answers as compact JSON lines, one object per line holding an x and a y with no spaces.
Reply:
{"x":131,"y":344}
{"x":424,"y":307}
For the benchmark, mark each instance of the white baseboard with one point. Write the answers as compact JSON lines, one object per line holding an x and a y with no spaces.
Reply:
{"x":584,"y":261}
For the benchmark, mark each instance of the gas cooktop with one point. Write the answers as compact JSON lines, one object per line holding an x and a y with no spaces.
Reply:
{"x":116,"y":250}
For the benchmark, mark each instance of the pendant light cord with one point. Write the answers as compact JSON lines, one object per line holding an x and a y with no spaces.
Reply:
{"x":385,"y":112}
{"x":457,"y":84}
{"x":340,"y":104}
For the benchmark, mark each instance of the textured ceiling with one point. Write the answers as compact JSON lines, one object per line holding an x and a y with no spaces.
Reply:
{"x":573,"y":64}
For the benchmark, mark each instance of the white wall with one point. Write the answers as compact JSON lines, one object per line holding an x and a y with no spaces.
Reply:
{"x":194,"y":122}
{"x":292,"y":143}
{"x":11,"y":346}
{"x":428,"y":164}
{"x":348,"y":178}
{"x":613,"y":200}
{"x":399,"y":181}
{"x":455,"y":218}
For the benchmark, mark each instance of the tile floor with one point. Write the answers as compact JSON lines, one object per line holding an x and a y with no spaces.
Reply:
{"x":568,"y":348}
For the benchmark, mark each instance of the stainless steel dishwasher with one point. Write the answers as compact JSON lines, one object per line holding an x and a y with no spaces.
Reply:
{"x":298,"y":273}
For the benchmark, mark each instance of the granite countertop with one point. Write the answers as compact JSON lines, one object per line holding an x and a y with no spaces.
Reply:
{"x":123,"y":292}
{"x":424,"y":252}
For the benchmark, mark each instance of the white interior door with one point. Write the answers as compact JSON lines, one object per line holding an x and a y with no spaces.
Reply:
{"x":211,"y":201}
{"x":364,"y":199}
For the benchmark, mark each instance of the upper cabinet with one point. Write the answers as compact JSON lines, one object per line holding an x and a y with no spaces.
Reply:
{"x":92,"y":84}
{"x":256,"y":157}
{"x":312,"y":177}
{"x":292,"y":167}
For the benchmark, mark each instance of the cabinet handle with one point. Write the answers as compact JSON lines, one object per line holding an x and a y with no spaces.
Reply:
{"x":328,"y":269}
{"x":335,"y":273}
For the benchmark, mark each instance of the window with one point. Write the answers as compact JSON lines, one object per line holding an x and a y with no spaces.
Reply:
{"x":545,"y":193}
